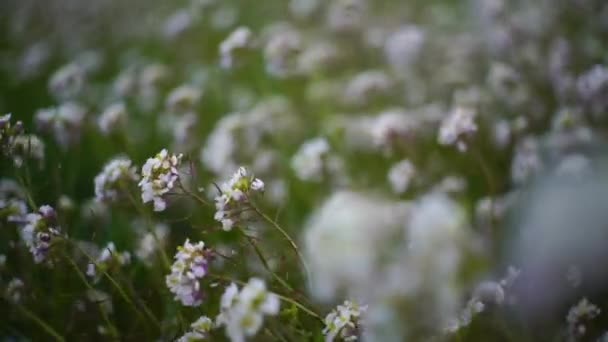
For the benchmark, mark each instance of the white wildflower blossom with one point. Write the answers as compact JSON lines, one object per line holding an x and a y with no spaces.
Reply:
{"x":108,"y":260}
{"x":526,"y":160}
{"x":242,"y":313}
{"x":183,"y":99}
{"x":27,"y":146}
{"x":67,"y":82}
{"x":235,"y":46}
{"x":234,"y":195}
{"x":344,"y":322}
{"x":150,"y":243}
{"x":200,"y":330}
{"x":113,"y":118}
{"x":40,"y":232}
{"x":308,"y":162}
{"x":578,"y":315}
{"x":366,"y":87}
{"x":457,"y":127}
{"x":393,"y":126}
{"x":402,"y":47}
{"x":159,"y":177}
{"x":400,"y":176}
{"x":14,"y":290}
{"x":281,"y":52}
{"x":64,"y":121}
{"x":347,"y":16}
{"x":117,"y":174}
{"x":190,"y":266}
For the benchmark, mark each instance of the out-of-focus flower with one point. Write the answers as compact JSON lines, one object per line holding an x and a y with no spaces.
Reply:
{"x":347,"y":16}
{"x":116,"y":177}
{"x":234,"y":195}
{"x":8,"y":133}
{"x":183,"y":99}
{"x":64,"y":121}
{"x":526,"y":160}
{"x":27,"y":146}
{"x":40,"y":232}
{"x":400,"y":176}
{"x":308,"y":162}
{"x":319,"y":57}
{"x":344,"y":322}
{"x":457,"y":128}
{"x":159,"y":176}
{"x":234,"y":48}
{"x":578,"y":314}
{"x":190,"y":266}
{"x":281,"y":52}
{"x":345,"y":238}
{"x":109,"y":260}
{"x":113,"y":118}
{"x":67,"y":81}
{"x":242,"y":313}
{"x":366,"y":87}
{"x":151,"y":243}
{"x":14,"y":290}
{"x":200,"y":330}
{"x":392,"y":127}
{"x":403,"y":47}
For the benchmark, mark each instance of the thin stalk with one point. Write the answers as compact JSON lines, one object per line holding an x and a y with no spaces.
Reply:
{"x":257,"y":250}
{"x":286,"y":236}
{"x":46,"y":327}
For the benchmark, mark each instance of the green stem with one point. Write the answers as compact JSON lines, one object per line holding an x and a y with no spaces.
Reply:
{"x":41,"y":323}
{"x":286,"y":236}
{"x":257,"y":250}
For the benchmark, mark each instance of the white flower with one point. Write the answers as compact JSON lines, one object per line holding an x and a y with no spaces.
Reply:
{"x":402,"y":47}
{"x":64,"y":121}
{"x":112,"y":118}
{"x":367,"y":87}
{"x":234,"y":195}
{"x":200,"y":330}
{"x":579,"y":313}
{"x":347,"y":16}
{"x":344,"y":321}
{"x":159,"y":176}
{"x":242,"y":313}
{"x":344,"y":239}
{"x":27,"y":145}
{"x":14,"y":290}
{"x":108,"y":259}
{"x":308,"y":162}
{"x":457,"y":127}
{"x":393,"y":126}
{"x":67,"y":81}
{"x":400,"y":175}
{"x":116,"y":174}
{"x":232,"y":49}
{"x":150,"y":243}
{"x":40,"y":232}
{"x":281,"y":52}
{"x":183,"y":98}
{"x":190,"y":266}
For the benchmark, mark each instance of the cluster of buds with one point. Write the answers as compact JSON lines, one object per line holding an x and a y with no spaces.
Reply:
{"x":200,"y":330}
{"x":116,"y":175}
{"x":8,"y":133}
{"x":190,"y":266}
{"x":40,"y":232}
{"x":233,"y":197}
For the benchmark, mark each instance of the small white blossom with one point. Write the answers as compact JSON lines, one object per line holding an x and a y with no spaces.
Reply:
{"x":400,"y":176}
{"x":40,"y":232}
{"x":116,"y":174}
{"x":27,"y":146}
{"x":578,"y":314}
{"x":109,"y":259}
{"x":64,"y":121}
{"x":308,"y":162}
{"x":281,"y":52}
{"x":366,"y":87}
{"x":112,"y":118}
{"x":67,"y":81}
{"x":344,"y":321}
{"x":150,"y":243}
{"x":183,"y":99}
{"x":190,"y":266}
{"x":457,"y":127}
{"x":14,"y":290}
{"x":200,"y":330}
{"x":242,"y":313}
{"x":159,"y":176}
{"x":237,"y":44}
{"x":234,"y":194}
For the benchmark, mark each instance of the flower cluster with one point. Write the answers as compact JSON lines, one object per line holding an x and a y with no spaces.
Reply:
{"x":159,"y":176}
{"x":8,"y":133}
{"x":116,"y":175}
{"x":242,"y":313}
{"x":344,"y":321}
{"x":190,"y":266}
{"x":234,"y":195}
{"x":200,"y":330}
{"x":457,"y":127}
{"x":578,"y":314}
{"x":40,"y":232}
{"x":108,"y":260}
